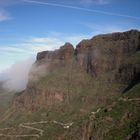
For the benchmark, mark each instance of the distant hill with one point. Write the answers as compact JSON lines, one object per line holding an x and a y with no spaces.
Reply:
{"x":91,"y":92}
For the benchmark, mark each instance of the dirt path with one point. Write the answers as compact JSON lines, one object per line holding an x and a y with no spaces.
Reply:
{"x":40,"y":131}
{"x":32,"y":128}
{"x":11,"y":136}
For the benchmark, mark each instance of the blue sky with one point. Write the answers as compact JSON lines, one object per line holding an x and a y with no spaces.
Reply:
{"x":30,"y":26}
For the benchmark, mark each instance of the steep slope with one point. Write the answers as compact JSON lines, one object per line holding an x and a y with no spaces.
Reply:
{"x":81,"y":93}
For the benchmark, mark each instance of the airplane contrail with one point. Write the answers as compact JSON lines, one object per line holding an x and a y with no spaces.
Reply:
{"x":80,"y":8}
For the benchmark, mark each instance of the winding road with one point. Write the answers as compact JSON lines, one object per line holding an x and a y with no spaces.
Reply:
{"x":40,"y":132}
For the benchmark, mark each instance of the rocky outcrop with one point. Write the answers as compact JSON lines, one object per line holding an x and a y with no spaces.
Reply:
{"x":64,"y":53}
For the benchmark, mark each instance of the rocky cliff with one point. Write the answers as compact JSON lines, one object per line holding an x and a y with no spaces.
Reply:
{"x":105,"y":53}
{"x":98,"y":56}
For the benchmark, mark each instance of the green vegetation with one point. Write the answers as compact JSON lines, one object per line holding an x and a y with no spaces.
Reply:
{"x":134,"y":92}
{"x":120,"y":121}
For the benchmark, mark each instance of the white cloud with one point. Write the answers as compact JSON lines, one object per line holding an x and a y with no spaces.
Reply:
{"x":4,"y":15}
{"x":17,"y":75}
{"x":3,"y":67}
{"x":44,"y":43}
{"x":11,"y":49}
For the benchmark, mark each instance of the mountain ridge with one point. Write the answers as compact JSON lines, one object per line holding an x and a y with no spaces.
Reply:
{"x":88,"y":86}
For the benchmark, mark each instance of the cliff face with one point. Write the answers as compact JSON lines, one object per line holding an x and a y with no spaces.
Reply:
{"x":103,"y":54}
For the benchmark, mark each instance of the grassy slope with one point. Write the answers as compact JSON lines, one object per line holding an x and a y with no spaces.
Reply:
{"x":126,"y":117}
{"x":5,"y":98}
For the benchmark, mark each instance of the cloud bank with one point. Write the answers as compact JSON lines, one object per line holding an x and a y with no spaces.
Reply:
{"x":16,"y":77}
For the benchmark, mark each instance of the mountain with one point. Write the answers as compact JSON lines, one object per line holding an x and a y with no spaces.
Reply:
{"x":90,"y":92}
